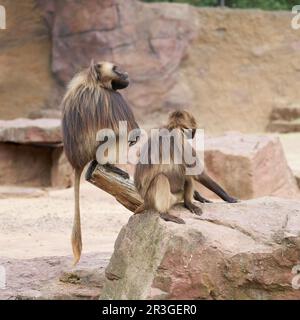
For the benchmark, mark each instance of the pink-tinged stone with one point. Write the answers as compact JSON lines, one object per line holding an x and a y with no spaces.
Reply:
{"x":245,"y":250}
{"x":26,"y":131}
{"x":61,"y":171}
{"x":149,"y":41}
{"x":51,"y":278}
{"x":249,"y":166}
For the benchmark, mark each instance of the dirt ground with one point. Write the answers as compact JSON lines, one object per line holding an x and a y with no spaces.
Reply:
{"x":35,"y":247}
{"x":37,"y":227}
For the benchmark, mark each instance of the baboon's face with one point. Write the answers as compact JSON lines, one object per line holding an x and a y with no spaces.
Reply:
{"x":111,"y":75}
{"x":183,"y":120}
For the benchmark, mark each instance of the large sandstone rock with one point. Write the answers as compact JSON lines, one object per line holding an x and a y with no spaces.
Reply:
{"x":149,"y":41}
{"x":53,"y":278}
{"x":233,"y":251}
{"x":285,"y":118}
{"x":25,"y":52}
{"x":249,"y":166}
{"x":32,"y":154}
{"x":25,"y":165}
{"x":219,"y":63}
{"x":62,"y":174}
{"x":46,"y":131}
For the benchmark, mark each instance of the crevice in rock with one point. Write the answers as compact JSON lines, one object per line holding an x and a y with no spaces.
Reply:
{"x":237,"y":228}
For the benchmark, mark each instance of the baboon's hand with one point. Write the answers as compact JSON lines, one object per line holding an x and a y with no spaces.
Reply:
{"x":193,"y":208}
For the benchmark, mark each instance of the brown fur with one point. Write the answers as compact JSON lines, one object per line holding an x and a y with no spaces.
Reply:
{"x":91,"y":104}
{"x":163,"y":185}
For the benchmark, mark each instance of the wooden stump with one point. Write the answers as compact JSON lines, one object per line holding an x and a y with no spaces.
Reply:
{"x":122,"y":189}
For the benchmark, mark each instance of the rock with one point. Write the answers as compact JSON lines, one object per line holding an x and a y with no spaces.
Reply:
{"x":45,"y":113}
{"x":26,"y":80}
{"x":284,"y":126}
{"x":148,"y":40}
{"x":25,"y":165}
{"x":61,"y":172}
{"x":34,"y":144}
{"x":289,"y":112}
{"x":177,"y":56}
{"x":233,"y":251}
{"x":52,"y":278}
{"x":249,"y":166}
{"x":26,"y":131}
{"x":180,"y":56}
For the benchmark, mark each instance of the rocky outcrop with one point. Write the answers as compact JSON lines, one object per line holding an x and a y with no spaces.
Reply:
{"x":249,"y":166}
{"x":149,"y":41}
{"x":247,"y":250}
{"x":219,"y":63}
{"x":285,"y":119}
{"x":34,"y":144}
{"x":26,"y":81}
{"x":25,"y":131}
{"x":51,"y":278}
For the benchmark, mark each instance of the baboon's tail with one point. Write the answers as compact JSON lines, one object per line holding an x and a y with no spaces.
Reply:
{"x":76,"y":232}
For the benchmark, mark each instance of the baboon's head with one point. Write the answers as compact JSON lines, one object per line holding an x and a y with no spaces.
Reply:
{"x":108,"y":75}
{"x":182,"y":120}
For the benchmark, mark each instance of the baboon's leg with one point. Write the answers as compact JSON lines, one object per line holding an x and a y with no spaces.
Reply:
{"x":198,"y":197}
{"x":116,"y":170}
{"x":160,"y":198}
{"x":188,"y":197}
{"x":213,"y":186}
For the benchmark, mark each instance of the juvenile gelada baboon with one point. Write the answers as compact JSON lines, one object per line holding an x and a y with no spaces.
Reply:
{"x":163,"y":185}
{"x":90,"y":104}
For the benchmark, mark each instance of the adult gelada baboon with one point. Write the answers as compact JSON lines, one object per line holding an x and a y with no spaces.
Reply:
{"x":90,"y":104}
{"x":163,"y":185}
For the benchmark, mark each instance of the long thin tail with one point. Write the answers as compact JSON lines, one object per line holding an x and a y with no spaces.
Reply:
{"x":76,"y":232}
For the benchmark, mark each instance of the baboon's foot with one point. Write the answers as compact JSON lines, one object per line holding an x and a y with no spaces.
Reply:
{"x":90,"y":170}
{"x":198,"y":197}
{"x":117,"y":170}
{"x":193,"y":208}
{"x":232,"y":200}
{"x":168,"y":217}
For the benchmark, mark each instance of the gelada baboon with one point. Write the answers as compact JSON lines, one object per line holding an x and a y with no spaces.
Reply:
{"x":163,"y":185}
{"x":90,"y":104}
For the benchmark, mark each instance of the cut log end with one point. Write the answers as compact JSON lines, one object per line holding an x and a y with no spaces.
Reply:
{"x":122,"y":189}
